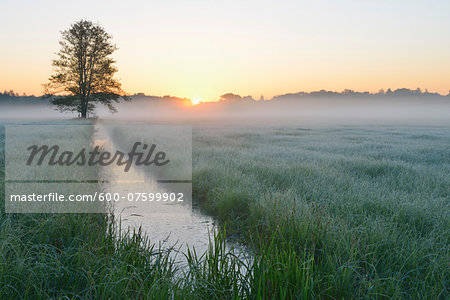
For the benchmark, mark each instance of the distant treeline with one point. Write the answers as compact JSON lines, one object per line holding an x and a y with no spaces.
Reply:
{"x":12,"y":94}
{"x":403,"y":92}
{"x":11,"y":97}
{"x":344,"y":94}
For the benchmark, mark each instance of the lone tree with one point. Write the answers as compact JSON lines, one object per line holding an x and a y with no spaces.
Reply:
{"x":84,"y":70}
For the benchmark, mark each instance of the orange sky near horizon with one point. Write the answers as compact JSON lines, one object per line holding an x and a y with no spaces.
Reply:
{"x":204,"y":49}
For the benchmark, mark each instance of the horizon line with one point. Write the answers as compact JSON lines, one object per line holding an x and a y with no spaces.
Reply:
{"x":381,"y":92}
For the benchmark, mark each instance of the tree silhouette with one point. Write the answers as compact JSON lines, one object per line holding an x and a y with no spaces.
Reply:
{"x":84,"y":70}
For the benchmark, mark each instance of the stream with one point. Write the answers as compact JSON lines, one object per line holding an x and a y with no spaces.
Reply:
{"x":164,"y":223}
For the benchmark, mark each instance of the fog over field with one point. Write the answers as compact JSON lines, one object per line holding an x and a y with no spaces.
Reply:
{"x":317,"y":110}
{"x":308,"y":108}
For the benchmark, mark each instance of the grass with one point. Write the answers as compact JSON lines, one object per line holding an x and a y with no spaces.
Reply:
{"x":88,"y":256}
{"x":333,"y":213}
{"x":343,"y":213}
{"x":76,"y":256}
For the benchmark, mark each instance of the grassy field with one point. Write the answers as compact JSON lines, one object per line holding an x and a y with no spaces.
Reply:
{"x":334,"y":213}
{"x":328,"y":213}
{"x":88,"y":256}
{"x":76,"y":256}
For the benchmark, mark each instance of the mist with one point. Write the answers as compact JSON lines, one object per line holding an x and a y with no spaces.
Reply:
{"x":285,"y":109}
{"x":317,"y":110}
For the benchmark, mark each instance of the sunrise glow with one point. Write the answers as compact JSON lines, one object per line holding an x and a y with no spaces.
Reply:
{"x":196,"y":101}
{"x":263,"y":48}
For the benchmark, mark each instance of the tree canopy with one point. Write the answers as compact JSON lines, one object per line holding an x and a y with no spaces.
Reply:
{"x":84,"y":70}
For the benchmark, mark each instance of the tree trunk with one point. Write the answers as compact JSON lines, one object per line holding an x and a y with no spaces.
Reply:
{"x":83,"y":108}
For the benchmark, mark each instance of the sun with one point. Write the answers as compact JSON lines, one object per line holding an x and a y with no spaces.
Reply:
{"x":196,"y":101}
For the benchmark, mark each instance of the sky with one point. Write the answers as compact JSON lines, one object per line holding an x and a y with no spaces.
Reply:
{"x":203,"y":49}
